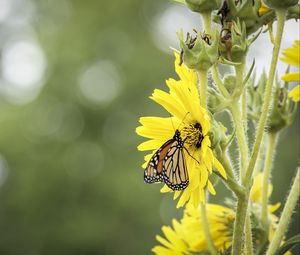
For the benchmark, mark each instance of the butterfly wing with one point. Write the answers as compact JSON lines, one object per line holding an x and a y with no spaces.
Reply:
{"x":168,"y":165}
{"x":174,"y":168}
{"x":154,"y":169}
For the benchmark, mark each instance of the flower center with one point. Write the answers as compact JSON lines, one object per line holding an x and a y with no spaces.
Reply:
{"x":193,"y":134}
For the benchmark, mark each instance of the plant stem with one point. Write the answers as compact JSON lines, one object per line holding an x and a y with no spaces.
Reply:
{"x":239,"y":225}
{"x":272,"y":137}
{"x":285,"y":216}
{"x":244,"y":110}
{"x":281,"y":13}
{"x":202,"y":87}
{"x":242,"y":204}
{"x":241,"y":137}
{"x":231,"y":179}
{"x":207,"y":234}
{"x":248,"y":236}
{"x":206,"y":21}
{"x":218,"y":81}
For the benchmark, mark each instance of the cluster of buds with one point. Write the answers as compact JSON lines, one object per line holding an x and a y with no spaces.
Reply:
{"x":283,"y":111}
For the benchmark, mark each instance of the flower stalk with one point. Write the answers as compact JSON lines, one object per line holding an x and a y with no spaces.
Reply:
{"x":272,"y":137}
{"x":202,"y":87}
{"x":207,"y":234}
{"x":242,"y":205}
{"x":286,"y":215}
{"x":281,"y":13}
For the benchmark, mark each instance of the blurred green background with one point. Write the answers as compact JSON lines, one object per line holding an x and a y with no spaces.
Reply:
{"x":75,"y":76}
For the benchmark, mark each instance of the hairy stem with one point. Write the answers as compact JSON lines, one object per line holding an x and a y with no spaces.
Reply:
{"x":216,"y":77}
{"x":241,"y":137}
{"x":285,"y":216}
{"x":241,"y":213}
{"x":281,"y":13}
{"x":207,"y":234}
{"x":231,"y":181}
{"x":272,"y":137}
{"x":239,"y":225}
{"x":206,"y":21}
{"x":248,"y":236}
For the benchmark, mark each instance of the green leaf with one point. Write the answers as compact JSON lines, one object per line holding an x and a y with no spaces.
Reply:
{"x":288,"y":245}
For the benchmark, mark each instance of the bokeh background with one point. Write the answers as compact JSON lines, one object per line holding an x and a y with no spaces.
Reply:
{"x":75,"y":76}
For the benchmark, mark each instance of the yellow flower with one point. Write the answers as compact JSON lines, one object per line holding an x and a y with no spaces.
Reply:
{"x":188,"y":235}
{"x":174,"y":243}
{"x":292,"y":57}
{"x":183,"y":103}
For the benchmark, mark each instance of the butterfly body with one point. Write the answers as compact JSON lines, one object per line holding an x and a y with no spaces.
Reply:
{"x":168,"y":165}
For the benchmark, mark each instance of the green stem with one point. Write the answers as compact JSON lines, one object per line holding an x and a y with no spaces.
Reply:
{"x":241,"y":137}
{"x":244,"y":110}
{"x":203,"y":87}
{"x":218,"y":81}
{"x":285,"y":216}
{"x":207,"y":234}
{"x":266,"y":176}
{"x":260,"y":158}
{"x":231,"y":179}
{"x":239,"y":224}
{"x":206,"y":20}
{"x":248,"y":236}
{"x":267,"y":97}
{"x":241,"y":213}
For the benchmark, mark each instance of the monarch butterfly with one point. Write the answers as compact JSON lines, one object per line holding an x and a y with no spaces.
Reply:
{"x":168,"y":164}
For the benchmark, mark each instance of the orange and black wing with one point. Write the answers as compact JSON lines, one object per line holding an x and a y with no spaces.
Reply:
{"x":168,"y":165}
{"x":154,"y":169}
{"x":174,"y":168}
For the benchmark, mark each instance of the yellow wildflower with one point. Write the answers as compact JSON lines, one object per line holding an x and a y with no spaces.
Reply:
{"x":188,"y":236}
{"x":183,"y":103}
{"x":292,"y":57}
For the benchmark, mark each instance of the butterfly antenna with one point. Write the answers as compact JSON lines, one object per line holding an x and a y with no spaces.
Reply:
{"x":183,"y":119}
{"x":191,"y":155}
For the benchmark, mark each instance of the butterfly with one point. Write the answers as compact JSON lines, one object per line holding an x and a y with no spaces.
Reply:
{"x":168,"y":164}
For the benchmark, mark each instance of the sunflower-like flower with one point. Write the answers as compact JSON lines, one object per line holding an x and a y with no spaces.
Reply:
{"x":183,"y":103}
{"x":188,"y":237}
{"x":292,"y":57}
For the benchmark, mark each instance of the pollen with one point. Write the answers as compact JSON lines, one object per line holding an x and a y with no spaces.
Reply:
{"x":193,"y":135}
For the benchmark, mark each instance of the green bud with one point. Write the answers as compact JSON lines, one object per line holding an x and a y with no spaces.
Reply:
{"x":280,"y":4}
{"x":234,"y":43}
{"x":229,"y":82}
{"x":219,"y":138}
{"x":199,"y":52}
{"x":203,"y":6}
{"x":284,"y":109}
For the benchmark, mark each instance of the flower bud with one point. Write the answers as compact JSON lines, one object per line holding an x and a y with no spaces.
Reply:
{"x":203,"y":6}
{"x":284,"y":110}
{"x":229,"y":82}
{"x":280,"y":4}
{"x":234,"y":43}
{"x":199,"y":52}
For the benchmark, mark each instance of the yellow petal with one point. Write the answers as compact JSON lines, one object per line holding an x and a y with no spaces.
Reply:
{"x":211,"y":188}
{"x":295,"y":94}
{"x":291,"y":77}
